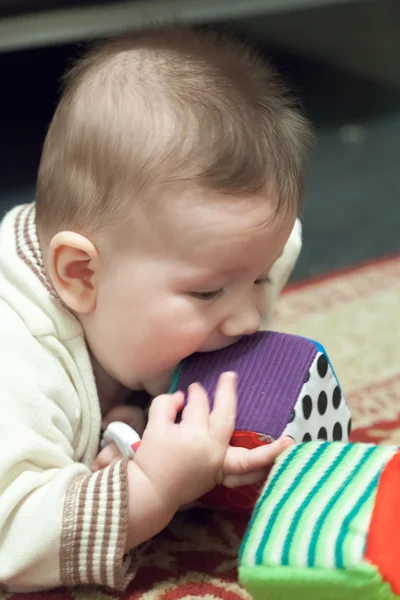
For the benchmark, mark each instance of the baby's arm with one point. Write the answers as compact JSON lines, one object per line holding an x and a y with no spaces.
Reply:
{"x":59,"y":523}
{"x":178,"y":463}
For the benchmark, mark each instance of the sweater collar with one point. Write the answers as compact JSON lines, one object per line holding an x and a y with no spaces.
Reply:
{"x":28,"y":246}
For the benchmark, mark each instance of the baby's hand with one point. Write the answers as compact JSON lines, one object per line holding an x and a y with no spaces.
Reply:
{"x":244,"y":467}
{"x":106,"y":457}
{"x":177,"y":463}
{"x":182,"y":461}
{"x":135,"y":417}
{"x":241,"y":465}
{"x":196,"y":454}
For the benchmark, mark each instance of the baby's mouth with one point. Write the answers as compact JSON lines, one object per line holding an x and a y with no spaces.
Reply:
{"x":219,"y":346}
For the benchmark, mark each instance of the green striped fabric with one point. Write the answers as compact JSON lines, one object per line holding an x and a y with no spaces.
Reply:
{"x":315,"y":509}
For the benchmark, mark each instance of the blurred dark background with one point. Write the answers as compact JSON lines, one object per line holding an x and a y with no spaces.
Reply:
{"x":341,"y":61}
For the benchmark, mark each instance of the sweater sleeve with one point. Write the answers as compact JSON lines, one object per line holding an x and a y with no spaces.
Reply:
{"x":60,"y":524}
{"x":281,"y":271}
{"x":94,"y":527}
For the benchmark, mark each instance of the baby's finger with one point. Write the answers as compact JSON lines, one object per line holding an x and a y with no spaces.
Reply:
{"x":233,"y":481}
{"x":107,"y":457}
{"x":197,"y":409}
{"x":223,"y":416}
{"x":242,"y":460}
{"x":164,"y":409}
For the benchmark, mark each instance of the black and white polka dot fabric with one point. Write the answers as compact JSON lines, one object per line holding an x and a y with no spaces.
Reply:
{"x":321,"y":411}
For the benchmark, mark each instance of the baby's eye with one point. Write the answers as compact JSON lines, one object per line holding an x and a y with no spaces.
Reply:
{"x":206,"y":295}
{"x":262,"y":280}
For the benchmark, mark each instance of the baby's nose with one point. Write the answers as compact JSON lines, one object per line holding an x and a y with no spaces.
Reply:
{"x":241,"y":322}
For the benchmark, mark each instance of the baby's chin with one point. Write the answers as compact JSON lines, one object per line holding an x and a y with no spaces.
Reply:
{"x":159,"y":384}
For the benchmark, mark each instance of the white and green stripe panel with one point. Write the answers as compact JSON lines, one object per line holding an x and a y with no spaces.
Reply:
{"x":316,"y":507}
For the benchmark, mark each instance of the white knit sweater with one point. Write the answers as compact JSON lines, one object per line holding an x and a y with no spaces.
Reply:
{"x":59,"y":523}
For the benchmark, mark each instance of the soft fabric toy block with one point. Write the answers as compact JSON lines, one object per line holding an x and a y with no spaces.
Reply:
{"x":286,"y":386}
{"x":326,"y":526}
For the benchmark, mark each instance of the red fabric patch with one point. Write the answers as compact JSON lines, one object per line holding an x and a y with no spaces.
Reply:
{"x":383,"y":544}
{"x":244,"y":498}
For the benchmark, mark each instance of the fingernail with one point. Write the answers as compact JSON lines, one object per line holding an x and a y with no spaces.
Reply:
{"x":287,"y":441}
{"x":230,"y":374}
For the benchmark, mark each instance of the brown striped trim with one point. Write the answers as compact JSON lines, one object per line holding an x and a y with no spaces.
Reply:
{"x":67,"y":536}
{"x":31,"y":215}
{"x":78,"y":533}
{"x":121,"y":579}
{"x":108,"y":525}
{"x":25,"y":240}
{"x":93,"y":530}
{"x":80,"y":562}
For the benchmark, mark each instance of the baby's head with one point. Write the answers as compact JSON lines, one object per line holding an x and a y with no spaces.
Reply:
{"x":169,"y":183}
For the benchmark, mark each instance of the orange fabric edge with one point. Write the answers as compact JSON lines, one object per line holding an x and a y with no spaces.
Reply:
{"x":383,"y":543}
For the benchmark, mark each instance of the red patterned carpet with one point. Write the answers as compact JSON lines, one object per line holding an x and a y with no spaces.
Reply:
{"x":355,"y":315}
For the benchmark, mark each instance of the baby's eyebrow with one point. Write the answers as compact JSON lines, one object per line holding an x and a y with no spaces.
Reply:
{"x":222,"y":272}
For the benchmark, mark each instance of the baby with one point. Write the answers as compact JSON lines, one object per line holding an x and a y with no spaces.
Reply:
{"x":169,"y":185}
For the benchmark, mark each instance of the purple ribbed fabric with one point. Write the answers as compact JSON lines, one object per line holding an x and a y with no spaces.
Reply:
{"x":271,"y":369}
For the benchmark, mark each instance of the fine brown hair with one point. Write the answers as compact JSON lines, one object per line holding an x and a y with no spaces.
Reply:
{"x":171,"y":105}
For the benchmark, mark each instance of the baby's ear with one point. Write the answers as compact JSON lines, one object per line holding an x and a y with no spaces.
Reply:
{"x":72,"y":268}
